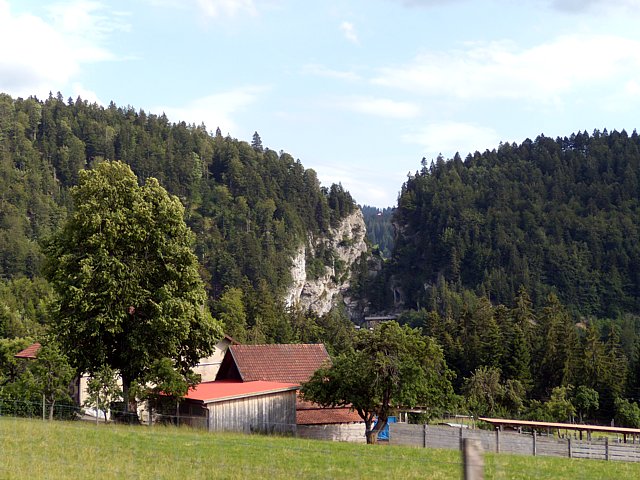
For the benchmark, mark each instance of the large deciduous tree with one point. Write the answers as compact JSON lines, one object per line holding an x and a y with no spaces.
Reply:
{"x":127,"y":280}
{"x":389,"y":367}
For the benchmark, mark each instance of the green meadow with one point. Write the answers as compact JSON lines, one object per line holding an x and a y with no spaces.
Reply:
{"x":59,"y":450}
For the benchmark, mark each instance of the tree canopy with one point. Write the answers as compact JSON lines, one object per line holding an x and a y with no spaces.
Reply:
{"x":128,"y":286}
{"x":389,"y":366}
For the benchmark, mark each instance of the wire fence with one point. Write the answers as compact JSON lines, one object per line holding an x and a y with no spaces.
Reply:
{"x":175,"y":446}
{"x":180,"y":447}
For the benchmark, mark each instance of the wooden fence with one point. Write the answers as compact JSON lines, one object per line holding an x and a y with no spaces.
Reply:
{"x":430,"y":436}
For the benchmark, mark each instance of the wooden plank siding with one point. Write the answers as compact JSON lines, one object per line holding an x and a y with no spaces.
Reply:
{"x":271,"y":413}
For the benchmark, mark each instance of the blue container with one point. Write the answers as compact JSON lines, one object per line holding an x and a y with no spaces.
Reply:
{"x":384,"y":433}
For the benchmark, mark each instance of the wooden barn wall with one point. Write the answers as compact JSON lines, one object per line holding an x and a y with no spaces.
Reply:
{"x":264,"y":413}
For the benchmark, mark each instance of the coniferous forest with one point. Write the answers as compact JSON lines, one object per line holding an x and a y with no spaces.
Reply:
{"x":521,"y":262}
{"x":249,"y":206}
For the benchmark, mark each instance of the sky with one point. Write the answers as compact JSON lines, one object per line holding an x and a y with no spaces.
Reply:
{"x":358,"y":90}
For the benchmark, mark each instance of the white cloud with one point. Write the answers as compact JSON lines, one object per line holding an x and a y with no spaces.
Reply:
{"x":215,"y":110}
{"x":451,"y":137}
{"x":382,"y":107}
{"x":367,"y":186}
{"x":218,"y":8}
{"x":599,"y":6}
{"x":349,"y":31}
{"x":78,"y":90}
{"x":322,"y":71}
{"x":46,"y":54}
{"x":500,"y":70}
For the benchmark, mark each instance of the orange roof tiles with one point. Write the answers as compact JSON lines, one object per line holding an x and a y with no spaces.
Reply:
{"x":209,"y":392}
{"x":294,"y":363}
{"x":30,"y":352}
{"x":320,"y":415}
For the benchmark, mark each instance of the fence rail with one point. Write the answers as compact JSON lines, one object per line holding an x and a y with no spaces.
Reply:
{"x":431,"y":436}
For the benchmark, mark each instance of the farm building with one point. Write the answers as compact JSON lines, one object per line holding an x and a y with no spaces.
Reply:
{"x":342,"y":424}
{"x":294,"y":363}
{"x":208,"y":367}
{"x":247,"y":407}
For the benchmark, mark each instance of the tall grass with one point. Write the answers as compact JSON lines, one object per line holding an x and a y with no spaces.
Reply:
{"x":59,"y":450}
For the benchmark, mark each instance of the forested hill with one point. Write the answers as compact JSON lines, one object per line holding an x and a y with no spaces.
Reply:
{"x":557,"y":215}
{"x":249,"y":206}
{"x":379,"y":228}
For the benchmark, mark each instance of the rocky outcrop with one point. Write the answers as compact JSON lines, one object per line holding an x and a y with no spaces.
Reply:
{"x":317,"y":289}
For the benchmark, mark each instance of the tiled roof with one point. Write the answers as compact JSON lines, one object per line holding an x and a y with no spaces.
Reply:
{"x":30,"y":352}
{"x":209,"y":392}
{"x":291,"y":363}
{"x":320,"y":415}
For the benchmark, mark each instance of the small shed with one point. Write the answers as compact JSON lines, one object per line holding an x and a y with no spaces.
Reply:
{"x":231,"y":405}
{"x":338,"y":423}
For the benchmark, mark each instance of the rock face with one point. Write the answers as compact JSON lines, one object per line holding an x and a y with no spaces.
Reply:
{"x":341,"y":248}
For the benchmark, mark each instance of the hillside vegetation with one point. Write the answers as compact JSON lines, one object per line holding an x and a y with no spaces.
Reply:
{"x":249,"y":206}
{"x":524,"y":263}
{"x":550,"y":215}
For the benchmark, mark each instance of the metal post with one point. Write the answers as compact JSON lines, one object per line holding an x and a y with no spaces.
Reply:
{"x":497,"y":439}
{"x":461,"y":438}
{"x":97,"y":410}
{"x":473,"y":464}
{"x":535,"y":448}
{"x":606,"y":448}
{"x":569,"y":446}
{"x":43,"y":407}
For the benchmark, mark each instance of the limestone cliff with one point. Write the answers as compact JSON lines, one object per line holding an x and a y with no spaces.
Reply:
{"x":321,"y":269}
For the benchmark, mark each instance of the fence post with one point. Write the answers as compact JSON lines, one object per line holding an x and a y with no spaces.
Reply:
{"x":472,"y":461}
{"x":606,"y":448}
{"x":569,"y":446}
{"x":535,"y":450}
{"x":497,"y":439}
{"x":461,"y":439}
{"x":43,"y":407}
{"x":424,"y":436}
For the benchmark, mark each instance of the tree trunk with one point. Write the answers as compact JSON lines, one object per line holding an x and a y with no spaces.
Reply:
{"x":53,"y":402}
{"x":130,"y":403}
{"x":380,"y":424}
{"x":370,"y":435}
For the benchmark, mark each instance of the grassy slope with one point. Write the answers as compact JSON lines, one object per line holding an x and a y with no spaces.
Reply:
{"x":34,"y":449}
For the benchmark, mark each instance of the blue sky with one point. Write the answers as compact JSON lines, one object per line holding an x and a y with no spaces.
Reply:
{"x":358,"y":90}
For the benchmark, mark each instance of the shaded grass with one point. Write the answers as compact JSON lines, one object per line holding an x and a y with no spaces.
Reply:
{"x":36,"y":449}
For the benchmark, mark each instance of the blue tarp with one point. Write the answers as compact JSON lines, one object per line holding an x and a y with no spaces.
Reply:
{"x":384,"y":433}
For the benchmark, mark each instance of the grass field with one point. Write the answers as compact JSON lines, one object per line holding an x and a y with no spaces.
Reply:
{"x":41,"y":450}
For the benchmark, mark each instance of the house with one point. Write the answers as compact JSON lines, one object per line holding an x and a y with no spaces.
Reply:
{"x":208,"y":367}
{"x":30,"y":353}
{"x":232,"y":405}
{"x":293,"y":363}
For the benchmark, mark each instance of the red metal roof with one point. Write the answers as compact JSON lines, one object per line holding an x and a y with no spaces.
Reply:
{"x":30,"y":352}
{"x":294,"y":363}
{"x":210,"y":392}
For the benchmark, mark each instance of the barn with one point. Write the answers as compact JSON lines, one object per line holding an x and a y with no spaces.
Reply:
{"x":235,"y":406}
{"x":294,"y":364}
